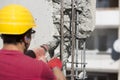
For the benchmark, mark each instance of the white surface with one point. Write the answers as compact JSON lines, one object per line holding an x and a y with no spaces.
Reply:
{"x":107,"y":18}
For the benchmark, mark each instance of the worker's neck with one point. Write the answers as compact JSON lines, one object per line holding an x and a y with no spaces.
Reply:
{"x":17,"y":47}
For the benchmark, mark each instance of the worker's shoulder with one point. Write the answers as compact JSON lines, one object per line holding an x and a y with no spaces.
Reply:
{"x":32,"y":61}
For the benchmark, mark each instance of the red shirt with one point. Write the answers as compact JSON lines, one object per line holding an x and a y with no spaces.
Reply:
{"x":14,"y":65}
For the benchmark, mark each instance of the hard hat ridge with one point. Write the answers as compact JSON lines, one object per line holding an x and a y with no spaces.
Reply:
{"x":15,"y":19}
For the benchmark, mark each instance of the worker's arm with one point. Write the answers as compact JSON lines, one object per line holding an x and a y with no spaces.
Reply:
{"x":49,"y":47}
{"x":58,"y":73}
{"x":55,"y":64}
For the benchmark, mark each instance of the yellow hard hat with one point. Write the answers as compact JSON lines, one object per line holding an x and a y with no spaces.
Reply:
{"x":15,"y":19}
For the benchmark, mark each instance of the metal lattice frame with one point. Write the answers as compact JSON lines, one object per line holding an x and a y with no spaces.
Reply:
{"x":74,"y":20}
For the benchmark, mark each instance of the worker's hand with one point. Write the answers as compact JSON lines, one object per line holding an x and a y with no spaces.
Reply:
{"x":39,"y":52}
{"x":43,"y":58}
{"x":51,"y":46}
{"x":55,"y":62}
{"x":43,"y":49}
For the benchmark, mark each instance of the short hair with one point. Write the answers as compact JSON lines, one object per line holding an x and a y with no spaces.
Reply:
{"x":14,"y":39}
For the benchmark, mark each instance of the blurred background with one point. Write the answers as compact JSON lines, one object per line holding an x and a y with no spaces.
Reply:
{"x":102,"y":57}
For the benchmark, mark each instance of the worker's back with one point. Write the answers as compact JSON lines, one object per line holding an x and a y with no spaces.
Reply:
{"x":14,"y":65}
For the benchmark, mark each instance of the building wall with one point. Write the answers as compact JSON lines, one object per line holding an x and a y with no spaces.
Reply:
{"x":107,"y":3}
{"x":102,"y":39}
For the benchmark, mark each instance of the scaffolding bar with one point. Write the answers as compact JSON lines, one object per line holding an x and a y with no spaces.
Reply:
{"x":61,"y":31}
{"x":73,"y":38}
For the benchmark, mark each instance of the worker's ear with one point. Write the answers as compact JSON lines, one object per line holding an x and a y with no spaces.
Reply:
{"x":27,"y":40}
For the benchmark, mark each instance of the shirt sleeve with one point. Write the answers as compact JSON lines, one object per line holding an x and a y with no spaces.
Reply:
{"x":47,"y":73}
{"x":44,"y":71}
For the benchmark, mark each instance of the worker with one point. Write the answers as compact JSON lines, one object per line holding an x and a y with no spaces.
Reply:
{"x":16,"y":28}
